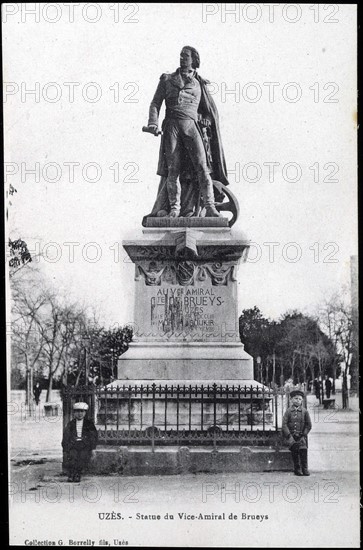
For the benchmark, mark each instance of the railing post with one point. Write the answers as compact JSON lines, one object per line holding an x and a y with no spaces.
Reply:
{"x":117,"y":408}
{"x":67,"y":398}
{"x":177,"y":409}
{"x":129,"y":410}
{"x":201,"y":406}
{"x":93,"y":405}
{"x":214,"y":415}
{"x":166,"y":407}
{"x":105,"y":393}
{"x":239,"y":408}
{"x":276,"y":410}
{"x":141,"y":404}
{"x":227,"y":406}
{"x":153,"y":420}
{"x":251,"y":395}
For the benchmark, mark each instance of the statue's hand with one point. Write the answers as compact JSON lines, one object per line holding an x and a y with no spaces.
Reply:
{"x":154,"y":129}
{"x":205,"y":122}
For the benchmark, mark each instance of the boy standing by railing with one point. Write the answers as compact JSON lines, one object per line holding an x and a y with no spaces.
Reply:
{"x":296,"y":424}
{"x":79,"y":440}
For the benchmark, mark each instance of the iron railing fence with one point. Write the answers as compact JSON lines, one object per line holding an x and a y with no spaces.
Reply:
{"x":182,"y":414}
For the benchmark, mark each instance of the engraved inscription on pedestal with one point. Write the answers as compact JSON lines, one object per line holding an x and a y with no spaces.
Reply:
{"x":187,"y":300}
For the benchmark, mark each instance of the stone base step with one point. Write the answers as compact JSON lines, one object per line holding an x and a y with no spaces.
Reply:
{"x":179,"y":460}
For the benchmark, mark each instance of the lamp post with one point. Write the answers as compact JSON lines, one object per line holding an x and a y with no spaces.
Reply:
{"x":86,"y":340}
{"x":345,"y":390}
{"x":273,"y":369}
{"x":112,"y":350}
{"x":28,"y":396}
{"x":101,"y":371}
{"x":303,"y":354}
{"x":259,"y":367}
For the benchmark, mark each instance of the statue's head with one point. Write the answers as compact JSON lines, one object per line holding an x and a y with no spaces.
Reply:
{"x":194,"y":55}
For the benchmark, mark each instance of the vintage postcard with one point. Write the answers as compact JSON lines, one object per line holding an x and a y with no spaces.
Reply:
{"x":182,"y":274}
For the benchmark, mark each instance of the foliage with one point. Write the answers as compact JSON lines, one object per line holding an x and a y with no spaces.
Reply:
{"x":17,"y":378}
{"x":304,"y":347}
{"x":294,"y":347}
{"x":259,"y":336}
{"x":101,"y":349}
{"x":19,"y":255}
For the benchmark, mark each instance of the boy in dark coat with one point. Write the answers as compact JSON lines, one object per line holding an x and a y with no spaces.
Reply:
{"x":79,"y":440}
{"x":296,"y":425}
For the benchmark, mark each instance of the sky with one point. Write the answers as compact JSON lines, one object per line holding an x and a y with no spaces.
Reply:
{"x":78,"y":89}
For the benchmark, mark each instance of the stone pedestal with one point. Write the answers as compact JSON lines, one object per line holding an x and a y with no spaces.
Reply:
{"x":186,"y":308}
{"x":185,"y":399}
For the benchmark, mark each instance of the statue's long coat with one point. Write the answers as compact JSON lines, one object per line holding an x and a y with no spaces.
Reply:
{"x":207,"y":109}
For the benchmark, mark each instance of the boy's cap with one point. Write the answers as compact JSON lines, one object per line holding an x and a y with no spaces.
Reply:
{"x":297,"y":392}
{"x":80,"y":407}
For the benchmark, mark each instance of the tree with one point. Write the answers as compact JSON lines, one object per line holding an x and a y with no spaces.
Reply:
{"x":304,"y":347}
{"x":337,"y":321}
{"x":60,"y":325}
{"x":59,"y":339}
{"x":77,"y":371}
{"x":17,"y":378}
{"x":259,"y":336}
{"x":27,"y":342}
{"x":46,"y":329}
{"x":294,"y":347}
{"x":98,"y":350}
{"x":107,"y":349}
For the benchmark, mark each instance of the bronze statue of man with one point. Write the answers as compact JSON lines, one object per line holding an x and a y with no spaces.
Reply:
{"x":190,"y":116}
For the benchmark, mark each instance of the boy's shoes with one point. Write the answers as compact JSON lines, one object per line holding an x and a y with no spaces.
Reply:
{"x":296,"y":460}
{"x":304,"y":461}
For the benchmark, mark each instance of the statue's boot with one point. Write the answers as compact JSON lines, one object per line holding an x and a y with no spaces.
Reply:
{"x":174,"y":193}
{"x":296,"y":460}
{"x":206,"y":186}
{"x":304,"y":461}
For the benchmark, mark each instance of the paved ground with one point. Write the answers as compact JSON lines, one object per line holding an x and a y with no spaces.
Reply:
{"x":266,"y":509}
